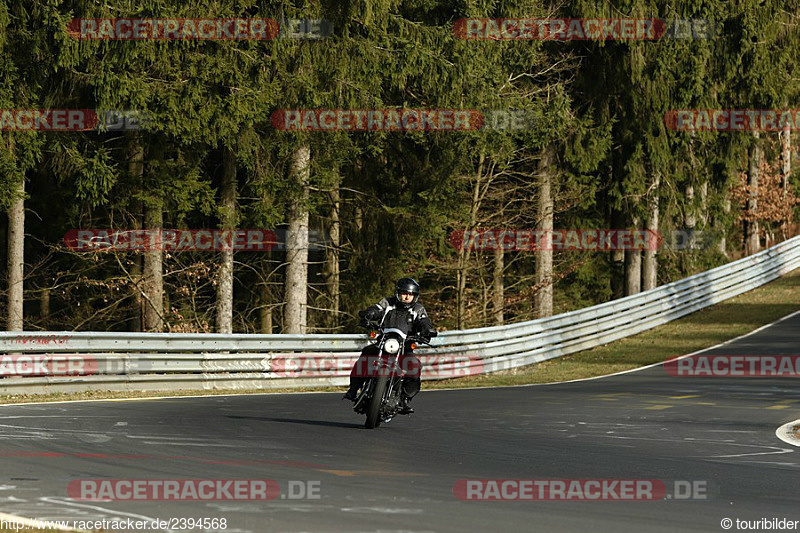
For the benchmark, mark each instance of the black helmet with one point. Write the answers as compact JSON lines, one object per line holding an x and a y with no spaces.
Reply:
{"x":406,"y":285}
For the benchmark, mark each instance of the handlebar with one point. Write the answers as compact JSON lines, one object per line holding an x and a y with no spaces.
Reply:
{"x":369,"y":324}
{"x":376,"y":326}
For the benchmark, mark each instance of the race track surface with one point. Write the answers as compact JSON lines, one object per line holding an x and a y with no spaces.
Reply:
{"x":717,"y":432}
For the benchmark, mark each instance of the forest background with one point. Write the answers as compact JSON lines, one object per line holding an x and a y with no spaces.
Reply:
{"x":596,"y":153}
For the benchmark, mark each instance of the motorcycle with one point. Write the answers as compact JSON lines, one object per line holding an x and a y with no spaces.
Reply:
{"x":379,"y":398}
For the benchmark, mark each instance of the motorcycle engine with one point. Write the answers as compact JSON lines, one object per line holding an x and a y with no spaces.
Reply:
{"x":393,"y":403}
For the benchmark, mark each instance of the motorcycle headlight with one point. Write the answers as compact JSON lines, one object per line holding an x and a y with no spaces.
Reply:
{"x":391,"y":346}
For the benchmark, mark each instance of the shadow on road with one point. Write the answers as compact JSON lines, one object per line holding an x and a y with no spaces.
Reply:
{"x":299,"y":421}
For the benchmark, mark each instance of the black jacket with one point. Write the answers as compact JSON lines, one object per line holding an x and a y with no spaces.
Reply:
{"x":389,"y":313}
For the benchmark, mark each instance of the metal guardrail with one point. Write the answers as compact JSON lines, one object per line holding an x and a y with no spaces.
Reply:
{"x":76,"y":361}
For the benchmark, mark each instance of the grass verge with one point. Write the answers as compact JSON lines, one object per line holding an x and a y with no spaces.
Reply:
{"x":699,"y":330}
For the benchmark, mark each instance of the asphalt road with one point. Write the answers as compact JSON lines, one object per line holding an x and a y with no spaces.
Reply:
{"x":718,"y":433}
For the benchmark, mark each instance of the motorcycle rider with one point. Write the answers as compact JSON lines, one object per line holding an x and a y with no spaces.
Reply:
{"x":404,"y":312}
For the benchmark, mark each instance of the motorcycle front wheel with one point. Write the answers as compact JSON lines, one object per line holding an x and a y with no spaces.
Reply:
{"x":374,"y":407}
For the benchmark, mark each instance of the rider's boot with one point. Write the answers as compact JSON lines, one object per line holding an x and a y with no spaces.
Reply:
{"x":351,"y":394}
{"x":405,"y":409}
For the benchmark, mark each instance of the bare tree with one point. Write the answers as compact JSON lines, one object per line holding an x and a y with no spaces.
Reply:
{"x":266,"y":294}
{"x":136,"y":172}
{"x":633,"y":268}
{"x":752,"y":243}
{"x":16,"y":258}
{"x":498,"y":292}
{"x":296,"y":309}
{"x":463,"y":265}
{"x":650,"y":261}
{"x":786,"y":168}
{"x":544,"y":257}
{"x":153,"y":271}
{"x":331,"y":268}
{"x":228,"y":221}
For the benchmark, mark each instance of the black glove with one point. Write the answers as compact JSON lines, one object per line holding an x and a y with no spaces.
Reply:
{"x":428,"y":335}
{"x":372,"y":313}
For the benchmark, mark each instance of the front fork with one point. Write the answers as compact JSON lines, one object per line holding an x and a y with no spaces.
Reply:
{"x":395,"y":381}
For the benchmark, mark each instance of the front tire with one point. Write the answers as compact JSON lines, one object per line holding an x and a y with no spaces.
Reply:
{"x":374,"y":408}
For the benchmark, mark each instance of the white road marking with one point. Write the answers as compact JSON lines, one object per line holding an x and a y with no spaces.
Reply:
{"x":385,"y":510}
{"x":200,"y":444}
{"x":786,"y":433}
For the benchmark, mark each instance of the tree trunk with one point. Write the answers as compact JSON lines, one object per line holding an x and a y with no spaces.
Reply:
{"x":752,"y":243}
{"x":463,"y":256}
{"x":633,"y":268}
{"x":332,"y":258}
{"x":650,"y":264}
{"x":689,"y":240}
{"x":617,"y":260}
{"x":358,"y":218}
{"x":4,"y":257}
{"x":633,"y":272}
{"x":153,"y":282}
{"x":720,"y":229}
{"x":16,"y":258}
{"x":461,"y":289}
{"x":498,"y":293}
{"x":228,"y":221}
{"x":786,"y":170}
{"x":543,"y":298}
{"x":136,"y":172}
{"x":137,"y":307}
{"x":703,"y":205}
{"x":690,"y":218}
{"x":44,"y":306}
{"x":265,"y":313}
{"x":485,"y":297}
{"x":296,"y":310}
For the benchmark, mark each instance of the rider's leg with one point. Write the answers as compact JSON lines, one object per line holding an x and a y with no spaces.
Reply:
{"x":360,"y":371}
{"x":412,"y":369}
{"x":411,"y":382}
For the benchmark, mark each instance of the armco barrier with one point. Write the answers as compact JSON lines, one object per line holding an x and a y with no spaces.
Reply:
{"x":163,"y":361}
